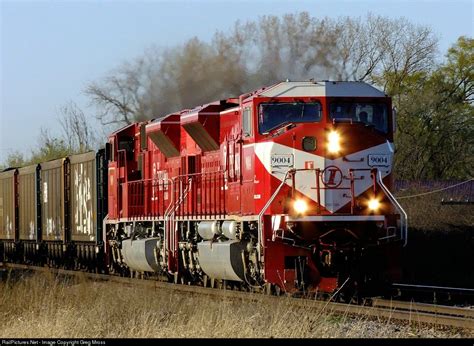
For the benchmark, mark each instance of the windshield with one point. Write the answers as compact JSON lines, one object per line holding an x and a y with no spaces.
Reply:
{"x":273,"y":115}
{"x":371,"y":114}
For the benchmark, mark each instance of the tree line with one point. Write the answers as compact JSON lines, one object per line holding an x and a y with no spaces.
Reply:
{"x":432,"y":92}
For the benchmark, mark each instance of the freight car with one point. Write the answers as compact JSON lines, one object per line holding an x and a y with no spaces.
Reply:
{"x":28,"y":220}
{"x":284,"y":188}
{"x":52,"y":213}
{"x":8,"y":213}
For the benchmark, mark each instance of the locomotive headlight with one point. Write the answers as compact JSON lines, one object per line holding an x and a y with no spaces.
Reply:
{"x":374,"y":204}
{"x":300,"y":206}
{"x":334,"y":142}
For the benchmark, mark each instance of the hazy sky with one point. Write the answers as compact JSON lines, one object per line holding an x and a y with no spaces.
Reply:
{"x":51,"y":49}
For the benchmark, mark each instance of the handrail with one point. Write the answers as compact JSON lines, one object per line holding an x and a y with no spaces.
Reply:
{"x":176,"y":177}
{"x":169,"y":216}
{"x":214,"y":179}
{"x":172,"y":197}
{"x":165,"y":238}
{"x":182,"y":197}
{"x":404,"y":218}
{"x":260,"y":215}
{"x":378,"y":177}
{"x":199,"y":173}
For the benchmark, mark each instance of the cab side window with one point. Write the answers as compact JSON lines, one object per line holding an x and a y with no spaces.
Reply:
{"x":247,"y":122}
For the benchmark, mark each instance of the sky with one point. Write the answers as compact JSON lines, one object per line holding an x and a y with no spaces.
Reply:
{"x":50,"y":50}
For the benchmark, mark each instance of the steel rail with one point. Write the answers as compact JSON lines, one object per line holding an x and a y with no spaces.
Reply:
{"x":422,"y":307}
{"x":391,"y":310}
{"x":434,"y":288}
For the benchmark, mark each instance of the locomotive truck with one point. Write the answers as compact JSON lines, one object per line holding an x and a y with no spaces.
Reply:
{"x":286,"y":188}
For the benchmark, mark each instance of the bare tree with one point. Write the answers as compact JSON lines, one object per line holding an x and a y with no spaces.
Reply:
{"x":258,"y":53}
{"x":358,"y":54}
{"x":406,"y":48}
{"x":120,"y":96}
{"x":78,"y":134}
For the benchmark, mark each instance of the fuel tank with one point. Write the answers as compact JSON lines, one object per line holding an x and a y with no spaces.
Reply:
{"x":222,"y":260}
{"x":140,"y":254}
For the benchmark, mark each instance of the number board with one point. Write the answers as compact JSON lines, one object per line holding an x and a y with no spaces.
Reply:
{"x":282,"y":160}
{"x":379,"y":160}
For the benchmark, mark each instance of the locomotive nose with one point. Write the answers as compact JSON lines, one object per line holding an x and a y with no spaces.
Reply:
{"x":330,"y":177}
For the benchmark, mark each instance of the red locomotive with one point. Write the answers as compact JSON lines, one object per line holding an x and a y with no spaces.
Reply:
{"x":283,"y":188}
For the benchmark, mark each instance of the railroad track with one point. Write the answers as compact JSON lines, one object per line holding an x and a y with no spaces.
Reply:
{"x":411,"y":312}
{"x":435,"y":292}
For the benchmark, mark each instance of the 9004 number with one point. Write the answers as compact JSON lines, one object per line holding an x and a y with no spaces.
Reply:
{"x":379,"y":160}
{"x":281,"y":160}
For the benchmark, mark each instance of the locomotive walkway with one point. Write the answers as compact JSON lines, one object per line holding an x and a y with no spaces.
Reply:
{"x":408,"y":312}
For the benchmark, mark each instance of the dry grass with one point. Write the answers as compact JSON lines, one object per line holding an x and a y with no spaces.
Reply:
{"x":428,"y":214}
{"x":43,"y":306}
{"x":440,"y":247}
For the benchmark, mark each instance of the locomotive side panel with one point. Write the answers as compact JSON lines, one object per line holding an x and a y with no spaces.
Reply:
{"x":250,"y":185}
{"x":248,"y":180}
{"x":211,"y":186}
{"x":112,"y":182}
{"x":128,"y":168}
{"x":230,"y":159}
{"x":163,"y":137}
{"x":156,"y":180}
{"x":190,"y":167}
